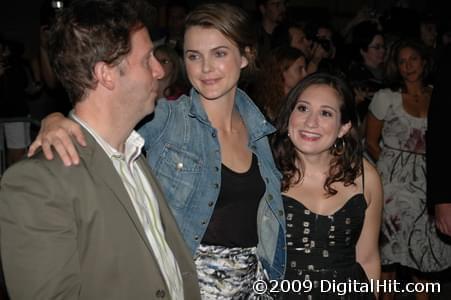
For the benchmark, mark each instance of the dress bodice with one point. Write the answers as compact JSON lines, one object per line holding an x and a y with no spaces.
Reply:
{"x":323,"y":247}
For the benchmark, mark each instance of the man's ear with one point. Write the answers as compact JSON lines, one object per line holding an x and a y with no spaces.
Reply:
{"x":105,"y":75}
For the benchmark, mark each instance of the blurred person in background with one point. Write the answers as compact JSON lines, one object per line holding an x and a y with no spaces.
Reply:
{"x":397,"y":122}
{"x":174,"y":83}
{"x":282,"y":69}
{"x":272,"y":13}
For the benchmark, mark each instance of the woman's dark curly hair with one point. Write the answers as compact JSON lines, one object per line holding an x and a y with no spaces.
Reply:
{"x":346,"y":165}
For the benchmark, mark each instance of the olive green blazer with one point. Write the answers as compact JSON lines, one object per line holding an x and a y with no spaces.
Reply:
{"x":73,"y":233}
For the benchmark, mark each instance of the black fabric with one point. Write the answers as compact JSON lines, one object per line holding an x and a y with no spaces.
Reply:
{"x":13,"y":102}
{"x":438,"y":158}
{"x":360,"y":77}
{"x":234,"y":219}
{"x":321,"y":249}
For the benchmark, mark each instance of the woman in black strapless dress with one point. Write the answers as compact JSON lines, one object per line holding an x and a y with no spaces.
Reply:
{"x":332,"y":196}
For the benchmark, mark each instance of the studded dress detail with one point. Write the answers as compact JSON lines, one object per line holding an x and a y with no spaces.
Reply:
{"x":321,"y":249}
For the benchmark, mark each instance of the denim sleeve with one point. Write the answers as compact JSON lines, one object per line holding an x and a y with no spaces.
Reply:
{"x":155,"y":128}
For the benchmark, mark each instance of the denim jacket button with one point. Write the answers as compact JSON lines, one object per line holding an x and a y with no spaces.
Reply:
{"x":210,"y":203}
{"x":217,"y":169}
{"x":213,"y":134}
{"x":280,"y":212}
{"x":196,"y":237}
{"x":179,"y":166}
{"x":216,"y":185}
{"x":270,"y":197}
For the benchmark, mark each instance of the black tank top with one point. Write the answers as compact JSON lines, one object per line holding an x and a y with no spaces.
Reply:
{"x":234,"y":219}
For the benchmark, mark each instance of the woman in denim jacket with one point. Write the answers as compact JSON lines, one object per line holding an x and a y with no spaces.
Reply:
{"x":211,"y":154}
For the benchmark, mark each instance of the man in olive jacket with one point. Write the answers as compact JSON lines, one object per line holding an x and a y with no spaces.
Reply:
{"x":101,"y":229}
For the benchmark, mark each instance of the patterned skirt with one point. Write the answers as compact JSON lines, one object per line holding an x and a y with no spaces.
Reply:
{"x":228,"y":273}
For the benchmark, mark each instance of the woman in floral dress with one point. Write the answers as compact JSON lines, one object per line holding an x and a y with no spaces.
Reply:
{"x":396,"y":140}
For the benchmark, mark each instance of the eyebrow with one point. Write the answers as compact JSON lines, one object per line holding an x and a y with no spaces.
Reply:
{"x":322,"y":106}
{"x":211,"y":50}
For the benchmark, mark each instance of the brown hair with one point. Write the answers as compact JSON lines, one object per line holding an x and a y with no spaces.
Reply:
{"x":345,"y":166}
{"x":232,"y":22}
{"x":88,"y":32}
{"x":271,"y":97}
{"x":177,"y":81}
{"x":392,"y":75}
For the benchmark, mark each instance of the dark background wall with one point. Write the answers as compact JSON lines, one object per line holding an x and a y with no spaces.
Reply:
{"x":19,"y":19}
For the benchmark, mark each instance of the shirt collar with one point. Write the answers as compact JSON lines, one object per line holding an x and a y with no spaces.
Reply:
{"x":255,"y":121}
{"x":133,"y":143}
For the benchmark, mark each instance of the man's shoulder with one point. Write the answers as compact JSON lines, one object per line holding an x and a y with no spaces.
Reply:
{"x":36,"y":165}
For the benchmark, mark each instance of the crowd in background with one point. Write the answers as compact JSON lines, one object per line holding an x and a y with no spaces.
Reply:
{"x":390,"y":67}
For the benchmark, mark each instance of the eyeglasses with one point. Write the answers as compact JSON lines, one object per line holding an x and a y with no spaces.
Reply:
{"x":378,"y":47}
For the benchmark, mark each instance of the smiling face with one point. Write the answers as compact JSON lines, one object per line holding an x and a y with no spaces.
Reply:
{"x":315,"y":122}
{"x":213,"y":63}
{"x":410,"y":65}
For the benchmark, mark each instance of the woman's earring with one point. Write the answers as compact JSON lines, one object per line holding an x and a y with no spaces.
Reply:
{"x":339,"y":147}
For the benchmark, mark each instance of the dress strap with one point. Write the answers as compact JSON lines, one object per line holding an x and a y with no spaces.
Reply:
{"x":363,"y":177}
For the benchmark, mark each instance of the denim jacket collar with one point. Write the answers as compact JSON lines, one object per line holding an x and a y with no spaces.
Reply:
{"x":255,"y":121}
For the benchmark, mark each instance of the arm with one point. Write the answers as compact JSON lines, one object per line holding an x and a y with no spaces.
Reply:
{"x":56,"y":131}
{"x":373,"y":135}
{"x":38,"y":234}
{"x":443,"y":217}
{"x":367,"y":249}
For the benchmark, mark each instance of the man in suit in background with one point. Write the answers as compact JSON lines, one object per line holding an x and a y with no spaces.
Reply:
{"x":438,"y":156}
{"x":101,"y":229}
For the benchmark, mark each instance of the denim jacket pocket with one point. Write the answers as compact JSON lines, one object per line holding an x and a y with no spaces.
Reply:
{"x":178,"y":172}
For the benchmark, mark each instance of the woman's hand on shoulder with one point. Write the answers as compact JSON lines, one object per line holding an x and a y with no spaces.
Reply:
{"x":56,"y":131}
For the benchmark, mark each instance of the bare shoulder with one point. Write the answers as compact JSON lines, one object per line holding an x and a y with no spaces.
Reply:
{"x":373,"y":184}
{"x":370,"y":172}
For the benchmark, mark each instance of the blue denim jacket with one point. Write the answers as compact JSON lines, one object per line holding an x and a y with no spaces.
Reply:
{"x":183,"y":150}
